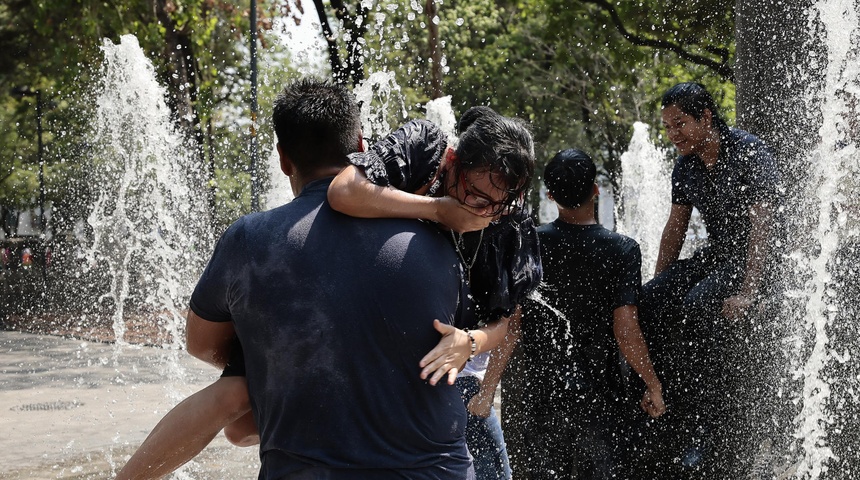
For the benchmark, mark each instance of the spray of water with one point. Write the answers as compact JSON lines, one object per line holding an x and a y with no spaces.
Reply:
{"x":280,"y":191}
{"x":380,"y":99}
{"x":147,"y":221}
{"x":646,"y":198}
{"x":831,"y":161}
{"x":560,"y":318}
{"x":645,"y":194}
{"x":439,"y":111}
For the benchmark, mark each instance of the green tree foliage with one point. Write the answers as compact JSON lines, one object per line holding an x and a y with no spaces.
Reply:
{"x":581,"y":72}
{"x":199,"y":49}
{"x":697,"y":31}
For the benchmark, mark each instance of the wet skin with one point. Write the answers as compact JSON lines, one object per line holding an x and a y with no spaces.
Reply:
{"x":685,"y":132}
{"x":478,"y":189}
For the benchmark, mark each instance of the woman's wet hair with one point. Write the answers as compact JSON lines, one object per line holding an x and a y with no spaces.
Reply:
{"x":569,"y":177}
{"x":502,"y":145}
{"x":693,"y":99}
{"x":471,"y":115}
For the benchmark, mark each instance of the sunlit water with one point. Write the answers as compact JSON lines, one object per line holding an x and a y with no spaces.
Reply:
{"x":279,"y":189}
{"x":825,"y":345}
{"x":151,"y":234}
{"x":150,"y":229}
{"x":148,"y":223}
{"x":646,"y":194}
{"x":646,"y":198}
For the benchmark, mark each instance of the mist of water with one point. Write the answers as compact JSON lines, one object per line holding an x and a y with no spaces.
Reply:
{"x":820,"y":355}
{"x":646,"y":198}
{"x":439,"y":111}
{"x":279,"y":189}
{"x":147,"y":222}
{"x":380,"y":99}
{"x":646,"y":194}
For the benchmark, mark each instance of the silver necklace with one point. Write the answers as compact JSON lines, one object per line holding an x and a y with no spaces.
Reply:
{"x":457,"y":246}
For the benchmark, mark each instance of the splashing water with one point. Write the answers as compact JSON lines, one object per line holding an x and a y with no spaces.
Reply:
{"x":560,"y":318}
{"x":145,"y":221}
{"x":280,"y":190}
{"x":646,"y":198}
{"x":645,"y":194}
{"x":379,"y":98}
{"x":439,"y":111}
{"x":833,"y":196}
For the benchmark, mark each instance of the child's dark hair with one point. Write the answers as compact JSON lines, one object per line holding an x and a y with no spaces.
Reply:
{"x":569,"y":177}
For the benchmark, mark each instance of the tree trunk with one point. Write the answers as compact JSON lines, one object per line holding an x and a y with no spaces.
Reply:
{"x":771,"y":74}
{"x":355,"y":25}
{"x":432,"y":11}
{"x":180,"y":75}
{"x":181,"y":79}
{"x":337,"y":71}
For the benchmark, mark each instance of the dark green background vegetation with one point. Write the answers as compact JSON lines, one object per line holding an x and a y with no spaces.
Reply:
{"x":581,"y":72}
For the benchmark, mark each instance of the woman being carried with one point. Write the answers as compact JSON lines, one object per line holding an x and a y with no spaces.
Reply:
{"x":479,"y":185}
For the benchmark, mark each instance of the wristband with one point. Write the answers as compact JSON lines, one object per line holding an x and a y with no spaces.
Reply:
{"x":474,"y":346}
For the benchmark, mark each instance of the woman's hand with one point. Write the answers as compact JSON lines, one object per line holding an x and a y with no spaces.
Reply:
{"x":448,"y":356}
{"x":460,"y":217}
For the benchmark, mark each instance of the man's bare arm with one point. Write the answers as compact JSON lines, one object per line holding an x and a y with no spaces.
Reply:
{"x":209,"y":341}
{"x":631,"y":342}
{"x":761,"y":218}
{"x":674,"y":234}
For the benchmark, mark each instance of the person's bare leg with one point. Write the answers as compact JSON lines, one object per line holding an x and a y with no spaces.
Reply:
{"x":188,"y":428}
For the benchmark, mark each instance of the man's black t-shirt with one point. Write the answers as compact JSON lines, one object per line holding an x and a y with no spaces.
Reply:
{"x":588,"y":272}
{"x":745,"y":174}
{"x":334,"y":314}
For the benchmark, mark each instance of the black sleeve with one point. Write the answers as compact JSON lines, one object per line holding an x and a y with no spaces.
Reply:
{"x":629,"y":281}
{"x":211,"y":297}
{"x":679,"y":184}
{"x":763,"y":178}
{"x":509,"y":266}
{"x":407,"y":159}
{"x":526,"y":267}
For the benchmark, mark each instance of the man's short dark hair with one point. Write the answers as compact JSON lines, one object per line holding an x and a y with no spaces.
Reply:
{"x":317,"y":123}
{"x":569,"y":177}
{"x":500,"y":144}
{"x":693,"y":99}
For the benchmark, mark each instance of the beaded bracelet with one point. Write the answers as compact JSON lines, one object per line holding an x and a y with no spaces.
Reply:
{"x":474,"y":347}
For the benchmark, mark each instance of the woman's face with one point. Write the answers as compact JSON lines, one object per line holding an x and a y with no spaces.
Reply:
{"x":479,"y":189}
{"x":684,"y":131}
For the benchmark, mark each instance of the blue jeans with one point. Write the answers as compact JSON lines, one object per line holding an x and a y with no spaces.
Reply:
{"x":484,"y":437}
